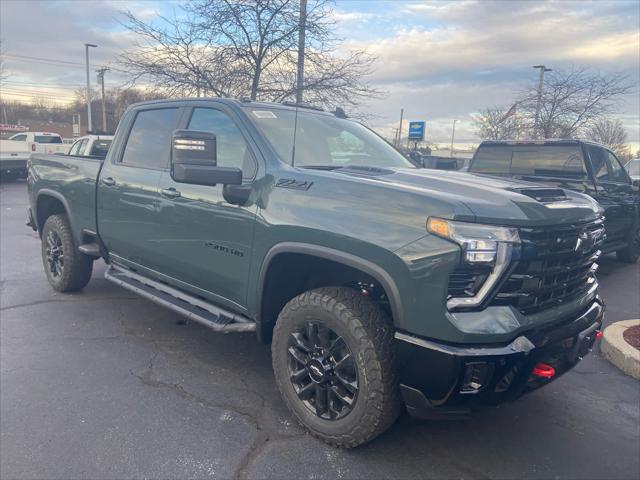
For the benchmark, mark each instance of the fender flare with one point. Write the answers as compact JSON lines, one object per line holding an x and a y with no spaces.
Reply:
{"x":348,"y":259}
{"x":58,"y":196}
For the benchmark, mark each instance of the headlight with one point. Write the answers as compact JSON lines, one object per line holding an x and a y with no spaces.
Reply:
{"x":481,"y":245}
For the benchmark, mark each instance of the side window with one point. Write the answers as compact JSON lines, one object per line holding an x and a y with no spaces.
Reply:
{"x":83,"y":145}
{"x":232,"y":149}
{"x":149,"y":141}
{"x":616,"y":172}
{"x":75,"y":148}
{"x":599,"y":163}
{"x":19,"y":138}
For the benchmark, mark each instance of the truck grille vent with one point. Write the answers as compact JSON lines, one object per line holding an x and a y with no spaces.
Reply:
{"x":557,"y":266}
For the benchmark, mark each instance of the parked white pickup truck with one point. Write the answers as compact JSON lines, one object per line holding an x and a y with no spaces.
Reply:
{"x":15,"y":151}
{"x":95,"y":146}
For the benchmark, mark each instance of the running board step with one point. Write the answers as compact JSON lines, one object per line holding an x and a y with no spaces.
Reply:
{"x":90,"y":249}
{"x":191,"y":307}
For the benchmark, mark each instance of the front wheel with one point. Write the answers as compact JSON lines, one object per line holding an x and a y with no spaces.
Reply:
{"x":333,"y":361}
{"x":67,"y":269}
{"x":631,"y":253}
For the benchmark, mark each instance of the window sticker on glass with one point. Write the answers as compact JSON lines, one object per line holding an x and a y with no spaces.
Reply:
{"x":264,"y":114}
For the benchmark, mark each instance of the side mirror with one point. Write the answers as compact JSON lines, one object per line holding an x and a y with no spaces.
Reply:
{"x":194,"y":160}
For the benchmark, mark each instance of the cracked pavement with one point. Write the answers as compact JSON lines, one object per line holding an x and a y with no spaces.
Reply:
{"x":103,"y":384}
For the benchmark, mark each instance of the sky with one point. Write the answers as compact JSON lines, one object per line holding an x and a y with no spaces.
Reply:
{"x":440,"y":61}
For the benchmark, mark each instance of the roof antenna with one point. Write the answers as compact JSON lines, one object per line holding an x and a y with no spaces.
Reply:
{"x":295,"y":130}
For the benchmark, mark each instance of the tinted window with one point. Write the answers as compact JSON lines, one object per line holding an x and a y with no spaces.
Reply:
{"x":150,"y":138}
{"x":606,"y":167}
{"x":19,"y":138}
{"x":100,"y":148}
{"x":616,"y":172}
{"x":48,"y":139}
{"x":232,"y":150}
{"x":534,"y":160}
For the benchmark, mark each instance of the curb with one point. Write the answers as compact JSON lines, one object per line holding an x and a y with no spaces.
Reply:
{"x":616,"y":349}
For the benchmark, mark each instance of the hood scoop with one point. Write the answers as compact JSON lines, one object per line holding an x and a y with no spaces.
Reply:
{"x":365,"y":171}
{"x":542,"y":194}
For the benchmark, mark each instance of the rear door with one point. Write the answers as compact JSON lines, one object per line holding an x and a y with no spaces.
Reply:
{"x":206,"y":241}
{"x":616,"y":194}
{"x":128,"y":188}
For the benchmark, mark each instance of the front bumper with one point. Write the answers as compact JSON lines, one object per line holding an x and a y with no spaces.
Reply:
{"x":438,"y":379}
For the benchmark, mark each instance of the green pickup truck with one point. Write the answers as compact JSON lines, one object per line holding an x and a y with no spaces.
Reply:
{"x":377,"y":284}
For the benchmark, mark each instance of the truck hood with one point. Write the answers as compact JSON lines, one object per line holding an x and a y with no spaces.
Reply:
{"x":492,"y":200}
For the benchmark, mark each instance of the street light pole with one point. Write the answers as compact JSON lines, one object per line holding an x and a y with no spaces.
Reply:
{"x":302,"y":27}
{"x":536,"y":123}
{"x":86,"y":52}
{"x":101,"y":72}
{"x":453,"y":134}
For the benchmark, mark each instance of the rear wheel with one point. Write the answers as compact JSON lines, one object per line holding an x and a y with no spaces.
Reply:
{"x":67,"y":269}
{"x":631,"y":253}
{"x":334,"y":365}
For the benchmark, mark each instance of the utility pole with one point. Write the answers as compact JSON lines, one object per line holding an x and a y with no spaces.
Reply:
{"x":400,"y":127}
{"x":104,"y":108}
{"x":302,"y":27}
{"x":453,"y":133}
{"x":536,"y":123}
{"x":86,"y":52}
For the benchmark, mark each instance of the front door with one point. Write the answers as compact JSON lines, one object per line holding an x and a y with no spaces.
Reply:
{"x":207,"y":241}
{"x":128,"y":189}
{"x":616,"y":194}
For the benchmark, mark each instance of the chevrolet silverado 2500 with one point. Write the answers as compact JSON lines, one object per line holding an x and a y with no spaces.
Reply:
{"x":377,"y":284}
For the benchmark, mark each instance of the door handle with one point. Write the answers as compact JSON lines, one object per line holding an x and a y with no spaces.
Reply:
{"x":170,"y":193}
{"x":109,"y":181}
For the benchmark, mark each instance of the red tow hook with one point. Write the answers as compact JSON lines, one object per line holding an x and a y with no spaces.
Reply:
{"x":599,"y":334}
{"x":543,"y":370}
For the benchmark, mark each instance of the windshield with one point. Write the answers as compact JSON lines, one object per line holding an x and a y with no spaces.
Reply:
{"x":535,"y":160}
{"x":47,"y":139}
{"x":633,"y":167}
{"x":324,"y":141}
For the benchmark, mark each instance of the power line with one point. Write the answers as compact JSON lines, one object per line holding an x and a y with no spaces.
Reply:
{"x":62,"y":86}
{"x":43,"y":59}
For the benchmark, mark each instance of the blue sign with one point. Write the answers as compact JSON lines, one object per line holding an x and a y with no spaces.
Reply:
{"x":416,"y":130}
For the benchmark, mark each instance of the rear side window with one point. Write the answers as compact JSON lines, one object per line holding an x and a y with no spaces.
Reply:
{"x":100,"y":148}
{"x":150,"y":138}
{"x":48,"y":139}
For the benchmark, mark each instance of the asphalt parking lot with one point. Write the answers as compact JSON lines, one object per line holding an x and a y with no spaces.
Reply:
{"x":103,"y":384}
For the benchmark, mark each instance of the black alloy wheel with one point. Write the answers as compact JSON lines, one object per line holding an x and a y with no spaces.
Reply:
{"x":54,"y":253}
{"x":322,"y":371}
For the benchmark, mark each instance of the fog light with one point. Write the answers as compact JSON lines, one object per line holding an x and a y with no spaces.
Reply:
{"x":475,"y":377}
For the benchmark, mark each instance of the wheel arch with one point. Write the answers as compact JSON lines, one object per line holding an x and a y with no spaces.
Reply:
{"x":266,"y":317}
{"x":49,"y":202}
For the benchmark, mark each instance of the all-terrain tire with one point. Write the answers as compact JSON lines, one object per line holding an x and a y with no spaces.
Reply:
{"x":368,"y":332}
{"x":74,"y":271}
{"x":631,"y":253}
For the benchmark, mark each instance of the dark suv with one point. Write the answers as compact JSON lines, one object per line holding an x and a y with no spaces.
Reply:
{"x":578,"y":165}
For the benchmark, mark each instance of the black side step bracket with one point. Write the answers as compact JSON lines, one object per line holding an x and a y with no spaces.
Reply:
{"x":191,"y":307}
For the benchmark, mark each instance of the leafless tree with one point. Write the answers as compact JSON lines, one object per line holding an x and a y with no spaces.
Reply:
{"x":496,"y":124}
{"x":572,"y":101}
{"x":236,"y":48}
{"x":3,"y":73}
{"x":610,"y":133}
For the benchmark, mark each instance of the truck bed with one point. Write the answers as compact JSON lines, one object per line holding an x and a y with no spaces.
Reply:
{"x":69,"y":179}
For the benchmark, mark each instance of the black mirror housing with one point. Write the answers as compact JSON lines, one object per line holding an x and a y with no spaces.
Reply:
{"x":194,"y":160}
{"x":193,"y":147}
